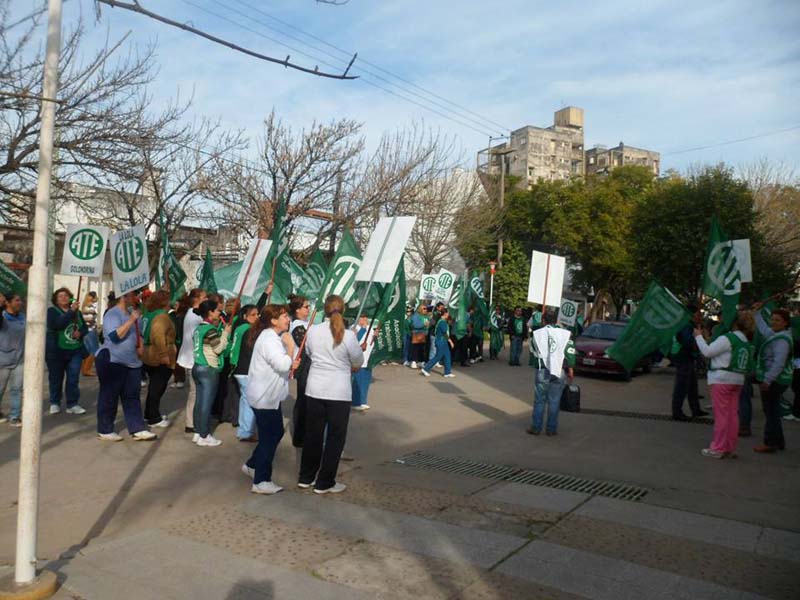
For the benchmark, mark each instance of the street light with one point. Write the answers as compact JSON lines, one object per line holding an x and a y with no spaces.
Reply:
{"x":492,"y":268}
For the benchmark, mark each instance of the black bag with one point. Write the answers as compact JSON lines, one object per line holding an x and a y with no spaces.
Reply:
{"x":571,"y":398}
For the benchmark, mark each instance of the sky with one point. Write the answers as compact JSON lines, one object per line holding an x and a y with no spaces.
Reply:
{"x":666,"y":76}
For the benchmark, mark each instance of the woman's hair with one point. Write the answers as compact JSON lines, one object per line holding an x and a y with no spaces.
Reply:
{"x":242,"y":315}
{"x":157,"y":301}
{"x":184,"y":304}
{"x":194,"y":294}
{"x":230,"y":305}
{"x":269,"y":312}
{"x":334,"y":310}
{"x":296,"y":303}
{"x":746,"y":323}
{"x":422,"y":309}
{"x":206,"y":306}
{"x":57,"y":292}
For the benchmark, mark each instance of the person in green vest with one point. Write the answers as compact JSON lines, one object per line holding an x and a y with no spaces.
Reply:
{"x":496,"y":340}
{"x":517,"y":333}
{"x":774,"y":374}
{"x":64,"y":351}
{"x":240,"y":355}
{"x":208,"y":343}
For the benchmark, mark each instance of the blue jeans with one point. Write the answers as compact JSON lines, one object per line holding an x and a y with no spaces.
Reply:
{"x":118,"y":382}
{"x":407,"y":348}
{"x":11,"y":380}
{"x":246,"y":416}
{"x":69,"y":365}
{"x":516,"y":351}
{"x":270,"y":432}
{"x":548,"y":392}
{"x":206,"y":380}
{"x":746,"y":404}
{"x":361,"y":380}
{"x":442,"y":354}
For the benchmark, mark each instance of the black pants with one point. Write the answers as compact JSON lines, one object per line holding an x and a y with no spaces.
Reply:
{"x":462,"y":350}
{"x":321,"y":450}
{"x":796,"y":390}
{"x":269,"y":423}
{"x":299,"y":412}
{"x":159,"y":378}
{"x":418,"y":353}
{"x":685,"y":384}
{"x":773,"y":430}
{"x":474,"y":347}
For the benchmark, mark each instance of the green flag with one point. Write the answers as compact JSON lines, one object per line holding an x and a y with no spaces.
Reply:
{"x":314,"y":275}
{"x":459,"y":306}
{"x":391,"y":315}
{"x":169,"y":264}
{"x":721,"y":278}
{"x":226,"y":277}
{"x":288,"y":278}
{"x":652,"y":326}
{"x":496,"y":340}
{"x":10,"y":283}
{"x":481,"y":315}
{"x":341,"y":274}
{"x":205,"y":277}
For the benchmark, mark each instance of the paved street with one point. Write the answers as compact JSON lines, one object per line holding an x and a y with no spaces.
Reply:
{"x":475,"y":519}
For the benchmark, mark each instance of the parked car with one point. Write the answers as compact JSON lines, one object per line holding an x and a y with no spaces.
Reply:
{"x":591,"y":346}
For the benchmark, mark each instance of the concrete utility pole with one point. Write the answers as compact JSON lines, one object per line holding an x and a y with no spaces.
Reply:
{"x":30,"y":446}
{"x":502,"y":154}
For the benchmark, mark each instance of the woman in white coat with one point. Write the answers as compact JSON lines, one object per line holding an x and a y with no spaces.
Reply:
{"x":268,"y":386}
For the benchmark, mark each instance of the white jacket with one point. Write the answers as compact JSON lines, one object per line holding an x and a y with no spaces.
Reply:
{"x":186,"y":354}
{"x":719,"y":351}
{"x":329,"y":376}
{"x":268,"y":376}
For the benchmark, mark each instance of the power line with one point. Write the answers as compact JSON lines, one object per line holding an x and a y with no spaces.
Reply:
{"x":729,"y":142}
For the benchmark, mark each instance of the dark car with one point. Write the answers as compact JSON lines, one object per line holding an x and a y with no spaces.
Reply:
{"x":591,"y":346}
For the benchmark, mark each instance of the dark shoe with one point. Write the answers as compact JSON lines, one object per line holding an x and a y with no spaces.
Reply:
{"x":551,"y":433}
{"x":253,"y":439}
{"x":764,"y":449}
{"x":680,"y":417}
{"x":532,"y":431}
{"x":745,"y":432}
{"x":188,"y":430}
{"x":346,"y":458}
{"x":700,"y":413}
{"x":700,"y":396}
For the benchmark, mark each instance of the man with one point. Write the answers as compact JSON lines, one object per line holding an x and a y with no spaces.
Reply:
{"x":774,"y":374}
{"x":685,"y":372}
{"x":517,"y":333}
{"x":554,"y":352}
{"x":12,"y":351}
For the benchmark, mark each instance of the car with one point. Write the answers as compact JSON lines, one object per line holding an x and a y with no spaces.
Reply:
{"x":591,"y":346}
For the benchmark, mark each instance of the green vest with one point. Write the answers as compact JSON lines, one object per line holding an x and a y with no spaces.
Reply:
{"x":236,"y":342}
{"x":785,"y":376}
{"x":519,"y":326}
{"x":742,"y":356}
{"x":197,"y":343}
{"x":147,"y":324}
{"x":65,"y":339}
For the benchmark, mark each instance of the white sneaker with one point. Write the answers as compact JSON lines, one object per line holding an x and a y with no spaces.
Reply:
{"x":209,"y":440}
{"x":790,"y":418}
{"x":413,"y":364}
{"x":164,"y":422}
{"x":361,"y":408}
{"x":450,"y":375}
{"x":472,"y":361}
{"x":265,"y":487}
{"x":55,"y":409}
{"x":365,"y":407}
{"x":406,"y":363}
{"x":248,"y":471}
{"x":110,"y":437}
{"x":335,"y":489}
{"x":195,"y":438}
{"x":305,"y":486}
{"x":143,"y":383}
{"x":144,"y":436}
{"x":76,"y":410}
{"x":424,"y":372}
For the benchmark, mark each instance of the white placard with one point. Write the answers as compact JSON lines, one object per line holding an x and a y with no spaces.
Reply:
{"x":388,"y":242}
{"x":741,"y":248}
{"x":129,"y":262}
{"x":257,"y":255}
{"x":568,"y":313}
{"x":546,"y":281}
{"x":445,"y":283}
{"x":84,"y":250}
{"x":427,"y":286}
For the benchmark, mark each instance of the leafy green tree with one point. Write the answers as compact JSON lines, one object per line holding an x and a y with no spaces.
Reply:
{"x":511,"y":280}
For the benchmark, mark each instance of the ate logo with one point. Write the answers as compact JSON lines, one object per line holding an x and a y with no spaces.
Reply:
{"x":428,"y":284}
{"x":663,"y":313}
{"x":86,"y":244}
{"x":343,"y":274}
{"x":477,"y":286}
{"x":128,"y":254}
{"x":723,"y":269}
{"x":568,"y":309}
{"x":445,"y":281}
{"x":315,"y":274}
{"x":551,"y":345}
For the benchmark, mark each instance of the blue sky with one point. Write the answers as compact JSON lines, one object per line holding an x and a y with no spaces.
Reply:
{"x":661,"y":75}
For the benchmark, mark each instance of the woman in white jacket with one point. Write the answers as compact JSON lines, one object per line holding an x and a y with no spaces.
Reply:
{"x":731,"y":357}
{"x":268,"y":386}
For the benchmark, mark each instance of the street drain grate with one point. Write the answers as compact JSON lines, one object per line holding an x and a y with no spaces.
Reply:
{"x":646,"y":416}
{"x":460,"y":466}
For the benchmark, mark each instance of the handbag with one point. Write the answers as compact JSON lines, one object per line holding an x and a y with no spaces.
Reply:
{"x":419,"y":337}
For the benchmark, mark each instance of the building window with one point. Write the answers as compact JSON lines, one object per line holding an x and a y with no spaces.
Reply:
{"x":591,"y":160}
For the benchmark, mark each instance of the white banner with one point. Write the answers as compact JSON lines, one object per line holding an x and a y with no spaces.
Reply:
{"x":387,"y":243}
{"x":445,"y":282}
{"x":129,"y":262}
{"x":251,"y":267}
{"x":546,"y":281}
{"x":568,"y":313}
{"x":741,"y":248}
{"x":84,"y":250}
{"x":427,"y":286}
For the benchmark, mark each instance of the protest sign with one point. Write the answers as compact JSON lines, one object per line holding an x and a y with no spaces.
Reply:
{"x":546,"y":281}
{"x":129,"y":264}
{"x":84,"y":250}
{"x":427,"y":287}
{"x":252,"y":266}
{"x":385,"y":249}
{"x":445,"y":283}
{"x":568,"y":313}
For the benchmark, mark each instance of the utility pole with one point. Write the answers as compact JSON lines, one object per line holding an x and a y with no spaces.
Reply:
{"x":501,"y":152}
{"x":335,"y":209}
{"x":31,"y":438}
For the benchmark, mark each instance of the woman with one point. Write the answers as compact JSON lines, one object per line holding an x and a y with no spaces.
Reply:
{"x":208,"y":344}
{"x":178,"y":315}
{"x":362,"y":378}
{"x":334,"y":354}
{"x":64,"y":351}
{"x":731,"y":360}
{"x":268,"y":387}
{"x":419,"y":336}
{"x":186,"y":354}
{"x":119,"y":370}
{"x":241,"y":346}
{"x":160,"y":352}
{"x":443,"y":346}
{"x":12,"y":353}
{"x":407,"y":337}
{"x":89,"y":314}
{"x":299,"y":310}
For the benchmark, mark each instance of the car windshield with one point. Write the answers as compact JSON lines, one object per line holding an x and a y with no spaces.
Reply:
{"x":603,"y":331}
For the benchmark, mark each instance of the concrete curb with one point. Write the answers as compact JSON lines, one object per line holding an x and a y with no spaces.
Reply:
{"x":44,"y":585}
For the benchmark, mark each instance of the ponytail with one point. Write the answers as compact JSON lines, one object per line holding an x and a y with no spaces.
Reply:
{"x":334,"y":307}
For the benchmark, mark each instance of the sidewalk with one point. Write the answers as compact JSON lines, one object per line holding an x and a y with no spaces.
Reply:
{"x":170,"y":520}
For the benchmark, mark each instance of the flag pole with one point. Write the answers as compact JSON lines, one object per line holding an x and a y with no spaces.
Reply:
{"x":247,"y":273}
{"x":271,"y":279}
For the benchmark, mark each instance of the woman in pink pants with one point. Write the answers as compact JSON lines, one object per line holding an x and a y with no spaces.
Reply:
{"x":732,"y":357}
